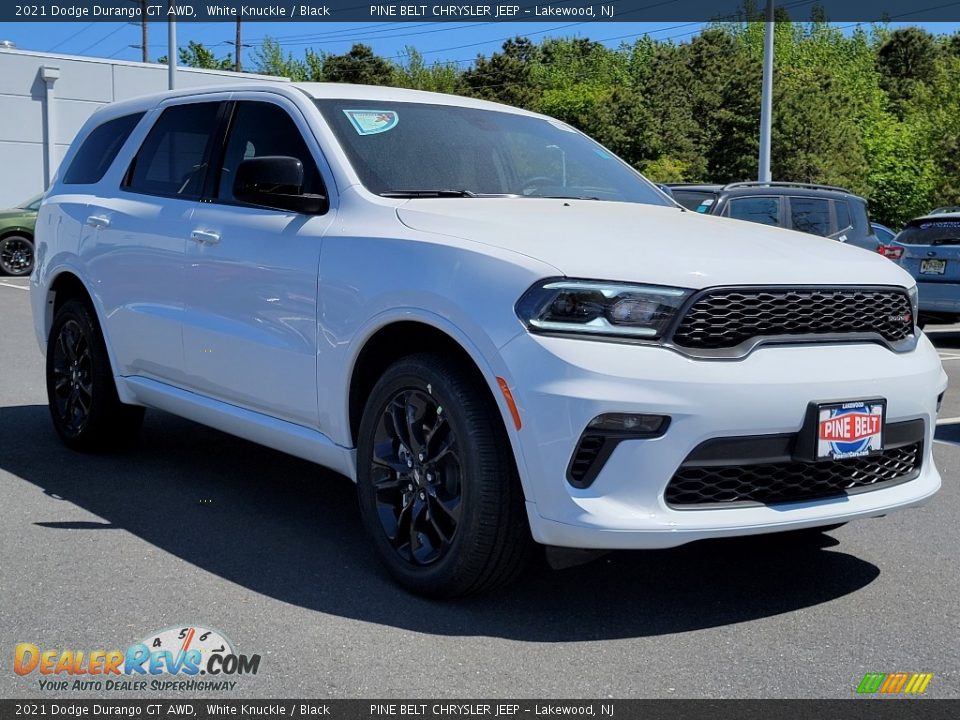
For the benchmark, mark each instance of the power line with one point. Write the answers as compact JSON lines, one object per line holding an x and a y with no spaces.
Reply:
{"x":72,"y":36}
{"x":105,"y":37}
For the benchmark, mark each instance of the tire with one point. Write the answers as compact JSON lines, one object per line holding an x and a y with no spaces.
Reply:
{"x":16,"y":255}
{"x":452,"y":522}
{"x":87,"y":414}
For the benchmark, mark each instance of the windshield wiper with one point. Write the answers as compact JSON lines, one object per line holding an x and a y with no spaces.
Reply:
{"x":428,"y":194}
{"x":564,"y":197}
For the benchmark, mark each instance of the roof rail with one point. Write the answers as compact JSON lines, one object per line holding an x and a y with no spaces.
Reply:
{"x":809,"y":186}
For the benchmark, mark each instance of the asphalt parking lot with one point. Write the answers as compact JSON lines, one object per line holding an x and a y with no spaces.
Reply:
{"x":194,"y":527}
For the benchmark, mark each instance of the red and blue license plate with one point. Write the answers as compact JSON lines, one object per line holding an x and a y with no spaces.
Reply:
{"x":850,"y":430}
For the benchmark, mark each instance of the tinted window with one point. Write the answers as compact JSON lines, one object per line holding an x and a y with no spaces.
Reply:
{"x":398,"y":147}
{"x":698,"y":200}
{"x":843,"y":214}
{"x":99,"y":150}
{"x":883,"y":234}
{"x":765,"y":210}
{"x":172,"y":159}
{"x":259,"y":129}
{"x":810,"y":215}
{"x":931,"y":232}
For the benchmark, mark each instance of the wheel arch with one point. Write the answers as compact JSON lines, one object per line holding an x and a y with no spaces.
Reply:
{"x":401,"y":338}
{"x":67,"y":285}
{"x":17,"y":230}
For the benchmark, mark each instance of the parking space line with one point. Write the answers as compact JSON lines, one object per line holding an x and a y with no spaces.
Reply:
{"x":15,"y":287}
{"x":948,"y":421}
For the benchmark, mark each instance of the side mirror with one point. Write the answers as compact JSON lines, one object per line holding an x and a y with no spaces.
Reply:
{"x":275,"y":181}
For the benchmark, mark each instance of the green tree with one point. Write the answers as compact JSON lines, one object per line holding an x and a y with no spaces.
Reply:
{"x":360,"y":66}
{"x":506,"y":76}
{"x":906,"y":59}
{"x":199,"y":56}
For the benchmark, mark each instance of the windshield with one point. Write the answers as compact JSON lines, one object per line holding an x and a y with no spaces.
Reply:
{"x":31,"y":204}
{"x":698,"y":200}
{"x":423,"y":150}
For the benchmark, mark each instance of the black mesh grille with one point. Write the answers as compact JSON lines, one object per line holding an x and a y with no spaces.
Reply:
{"x":726,"y":318}
{"x":790,"y":481}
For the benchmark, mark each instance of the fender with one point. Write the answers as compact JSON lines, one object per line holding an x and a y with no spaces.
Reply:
{"x":487,"y":361}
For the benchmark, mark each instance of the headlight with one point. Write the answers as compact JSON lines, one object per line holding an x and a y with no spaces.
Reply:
{"x":585,"y":307}
{"x":914,"y":294}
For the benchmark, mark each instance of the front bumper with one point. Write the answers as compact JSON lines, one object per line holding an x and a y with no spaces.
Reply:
{"x":561,"y":384}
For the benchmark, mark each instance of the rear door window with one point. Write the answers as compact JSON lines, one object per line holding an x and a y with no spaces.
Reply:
{"x":764,"y":210}
{"x":174,"y":156}
{"x":810,"y":215}
{"x":99,"y":150}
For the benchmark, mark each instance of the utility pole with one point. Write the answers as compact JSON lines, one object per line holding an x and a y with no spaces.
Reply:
{"x":766,"y":103}
{"x":238,"y":64}
{"x":144,"y":34}
{"x":238,"y":44}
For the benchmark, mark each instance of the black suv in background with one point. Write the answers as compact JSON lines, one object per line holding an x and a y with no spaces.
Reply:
{"x":816,"y":209}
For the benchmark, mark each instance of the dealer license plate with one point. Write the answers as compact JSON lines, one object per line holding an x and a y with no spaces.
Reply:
{"x":850,"y":429}
{"x":933,"y":267}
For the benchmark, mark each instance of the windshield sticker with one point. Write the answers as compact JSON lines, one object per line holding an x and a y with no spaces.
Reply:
{"x":371,"y":122}
{"x":600,"y":153}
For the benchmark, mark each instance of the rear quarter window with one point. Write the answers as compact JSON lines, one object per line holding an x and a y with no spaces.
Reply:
{"x":99,"y":149}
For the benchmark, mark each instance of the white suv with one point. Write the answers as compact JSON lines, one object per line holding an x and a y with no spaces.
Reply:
{"x":496,"y":327}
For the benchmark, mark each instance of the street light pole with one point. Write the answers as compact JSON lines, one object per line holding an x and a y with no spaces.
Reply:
{"x":172,"y":49}
{"x":766,"y":103}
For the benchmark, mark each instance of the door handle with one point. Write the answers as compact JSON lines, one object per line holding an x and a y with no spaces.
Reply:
{"x":205,"y":237}
{"x":98,"y":221}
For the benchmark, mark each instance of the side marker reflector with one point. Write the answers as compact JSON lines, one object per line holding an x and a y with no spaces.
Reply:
{"x":508,"y":396}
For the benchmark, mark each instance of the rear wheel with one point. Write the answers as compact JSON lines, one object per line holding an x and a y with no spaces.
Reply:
{"x":438,"y":488}
{"x":86,"y":412}
{"x":16,"y":255}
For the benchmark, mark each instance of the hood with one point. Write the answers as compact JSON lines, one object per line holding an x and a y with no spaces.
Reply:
{"x":630,"y":242}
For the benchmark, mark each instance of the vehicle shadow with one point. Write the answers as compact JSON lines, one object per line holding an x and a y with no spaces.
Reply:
{"x":944,"y":338}
{"x":291,"y":531}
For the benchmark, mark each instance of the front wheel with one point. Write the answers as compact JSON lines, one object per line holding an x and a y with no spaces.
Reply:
{"x":438,"y":488}
{"x":86,"y":412}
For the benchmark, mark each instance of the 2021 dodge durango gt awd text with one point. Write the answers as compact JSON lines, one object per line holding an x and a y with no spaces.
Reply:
{"x":498,"y":329}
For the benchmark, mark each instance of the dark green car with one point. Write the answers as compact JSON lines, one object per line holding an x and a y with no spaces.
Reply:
{"x":16,"y":237}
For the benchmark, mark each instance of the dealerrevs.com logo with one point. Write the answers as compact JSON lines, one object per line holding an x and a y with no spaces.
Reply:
{"x":171,"y":660}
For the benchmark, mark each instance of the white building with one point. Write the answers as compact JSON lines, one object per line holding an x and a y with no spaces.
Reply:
{"x":45,"y":98}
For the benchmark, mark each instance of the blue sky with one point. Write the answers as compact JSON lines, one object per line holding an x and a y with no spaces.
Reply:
{"x":450,"y":41}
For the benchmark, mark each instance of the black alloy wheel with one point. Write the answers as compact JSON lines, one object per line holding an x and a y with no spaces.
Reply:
{"x":436,"y":479}
{"x":417,"y":477}
{"x":16,"y":255}
{"x":86,"y":411}
{"x":72,"y":377}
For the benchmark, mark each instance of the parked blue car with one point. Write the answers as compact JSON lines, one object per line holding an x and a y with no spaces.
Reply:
{"x":929,"y":249}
